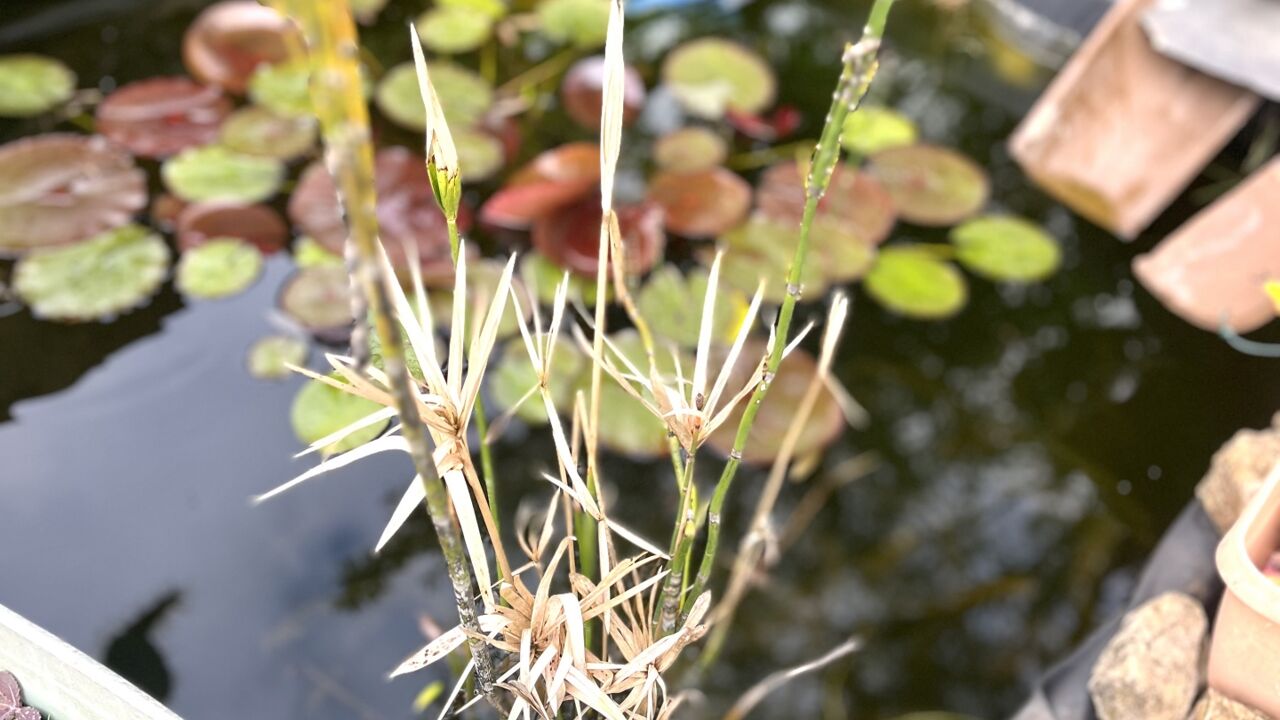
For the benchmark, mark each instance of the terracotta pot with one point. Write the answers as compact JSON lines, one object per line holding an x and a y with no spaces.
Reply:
{"x":1244,"y":662}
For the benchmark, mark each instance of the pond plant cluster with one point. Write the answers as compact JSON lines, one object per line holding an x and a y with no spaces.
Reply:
{"x":210,"y":160}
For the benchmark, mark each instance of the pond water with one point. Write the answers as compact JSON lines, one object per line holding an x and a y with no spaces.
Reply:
{"x":1031,"y":449}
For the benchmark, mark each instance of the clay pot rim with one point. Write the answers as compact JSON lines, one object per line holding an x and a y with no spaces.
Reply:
{"x":1236,"y":566}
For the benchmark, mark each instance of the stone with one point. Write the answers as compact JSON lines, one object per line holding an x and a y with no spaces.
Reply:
{"x":1237,"y":471}
{"x":1151,"y":669}
{"x":1215,"y":706}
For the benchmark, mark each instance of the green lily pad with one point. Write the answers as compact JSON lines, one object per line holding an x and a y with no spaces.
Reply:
{"x":97,"y":279}
{"x":259,"y":131}
{"x":319,"y":409}
{"x":1004,"y":248}
{"x":218,"y":268}
{"x":626,"y":426}
{"x":582,"y":23}
{"x":763,"y":248}
{"x":931,"y":185}
{"x":450,"y":30}
{"x":671,"y":303}
{"x":33,"y":84}
{"x":711,"y":76}
{"x":217,"y":173}
{"x":690,"y":149}
{"x":309,"y":253}
{"x":913,"y":281}
{"x":513,"y":375}
{"x":544,"y":276}
{"x":318,"y":298}
{"x":482,"y":282}
{"x":480,"y":154}
{"x":465,"y":95}
{"x":493,"y":9}
{"x":283,"y":88}
{"x":874,"y":128}
{"x":269,"y":356}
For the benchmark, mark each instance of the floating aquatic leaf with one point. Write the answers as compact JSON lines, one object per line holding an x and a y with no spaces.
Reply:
{"x":218,"y":268}
{"x":367,"y":11}
{"x":570,"y":235}
{"x":690,"y":149}
{"x":33,"y":84}
{"x":465,"y":96}
{"x":56,"y":189}
{"x":309,"y":253}
{"x":161,"y":116}
{"x":1006,"y":248}
{"x":164,"y":211}
{"x":668,"y":295}
{"x":319,"y":299}
{"x":780,"y":408}
{"x":493,"y":9}
{"x":230,"y":39}
{"x":482,"y":283}
{"x":320,"y":410}
{"x":701,"y":204}
{"x":853,"y":197}
{"x":931,"y":185}
{"x":542,"y":276}
{"x":480,"y":154}
{"x":513,"y":376}
{"x":712,"y":75}
{"x":762,"y":248}
{"x":259,"y":131}
{"x":258,"y":225}
{"x":553,"y":179}
{"x":913,"y":281}
{"x":269,"y":356}
{"x":780,"y":123}
{"x":283,"y":88}
{"x":97,"y":279}
{"x":579,"y":22}
{"x":450,"y":30}
{"x":216,"y":173}
{"x":582,"y":90}
{"x":874,"y":128}
{"x":408,"y":214}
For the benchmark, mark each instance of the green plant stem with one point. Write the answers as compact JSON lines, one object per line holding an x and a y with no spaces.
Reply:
{"x":859,"y":69}
{"x":681,"y":545}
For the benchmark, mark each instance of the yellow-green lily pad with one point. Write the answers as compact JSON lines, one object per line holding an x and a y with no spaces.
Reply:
{"x":671,"y":302}
{"x":513,"y":375}
{"x":762,"y":248}
{"x":258,"y":131}
{"x":1006,"y":248}
{"x":319,"y":410}
{"x":309,"y":253}
{"x":270,"y":356}
{"x":450,"y":30}
{"x":465,"y":96}
{"x":690,"y":149}
{"x":480,"y":154}
{"x":711,"y":76}
{"x":218,"y":173}
{"x":218,"y":268}
{"x":931,"y":185}
{"x":582,"y":23}
{"x":102,"y":277}
{"x":874,"y":128}
{"x":283,"y":88}
{"x":913,"y":281}
{"x":33,"y":84}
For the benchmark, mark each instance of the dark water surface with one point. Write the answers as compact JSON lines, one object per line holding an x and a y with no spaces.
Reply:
{"x":1032,"y":450}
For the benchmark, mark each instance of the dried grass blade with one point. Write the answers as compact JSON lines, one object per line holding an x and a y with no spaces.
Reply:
{"x":460,"y":496}
{"x":373,"y":447}
{"x":411,"y":499}
{"x":434,"y":651}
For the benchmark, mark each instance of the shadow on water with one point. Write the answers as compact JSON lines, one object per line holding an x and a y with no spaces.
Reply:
{"x":1030,"y":451}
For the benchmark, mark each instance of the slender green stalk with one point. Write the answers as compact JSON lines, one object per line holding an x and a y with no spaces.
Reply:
{"x":344,"y":118}
{"x":860,"y":64}
{"x":681,"y":548}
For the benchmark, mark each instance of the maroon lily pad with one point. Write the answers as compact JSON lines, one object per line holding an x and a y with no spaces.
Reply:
{"x":853,"y":196}
{"x":319,"y":299}
{"x":164,"y":211}
{"x":931,"y":185}
{"x":553,"y":179}
{"x":767,"y":128}
{"x":255,"y":224}
{"x":230,"y":39}
{"x":162,"y":116}
{"x":407,"y":212}
{"x":582,"y":91}
{"x":570,"y":235}
{"x":60,"y":188}
{"x":701,"y":204}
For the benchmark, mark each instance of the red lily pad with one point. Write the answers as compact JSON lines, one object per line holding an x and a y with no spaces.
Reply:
{"x":776,"y":125}
{"x":407,"y":212}
{"x":570,"y":235}
{"x":582,"y":91}
{"x":931,"y":185}
{"x":553,"y":179}
{"x":61,"y":188}
{"x":853,"y":197}
{"x":164,"y":211}
{"x":230,"y":39}
{"x":319,"y":300}
{"x":255,"y":224}
{"x":162,"y":116}
{"x":701,"y":204}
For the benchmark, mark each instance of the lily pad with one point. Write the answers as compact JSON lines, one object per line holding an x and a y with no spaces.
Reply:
{"x":319,"y":299}
{"x":230,"y":39}
{"x":258,"y":225}
{"x":493,"y":9}
{"x":216,"y":173}
{"x":570,"y":235}
{"x":874,"y":128}
{"x":259,"y":131}
{"x":97,"y":279}
{"x":853,"y":197}
{"x":482,"y":282}
{"x":450,"y":30}
{"x":553,"y":179}
{"x":480,"y":154}
{"x":913,"y":281}
{"x":701,"y":204}
{"x":513,"y":375}
{"x":319,"y":410}
{"x":543,"y":276}
{"x":268,"y":356}
{"x":712,"y":75}
{"x":671,"y":303}
{"x":931,"y":185}
{"x":582,"y":92}
{"x":161,"y":116}
{"x":1006,"y":248}
{"x":60,"y":188}
{"x":465,"y":96}
{"x":367,"y":11}
{"x":762,"y":248}
{"x":33,"y":84}
{"x":690,"y":149}
{"x":582,"y":23}
{"x":283,"y":88}
{"x":309,"y":253}
{"x":218,"y":268}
